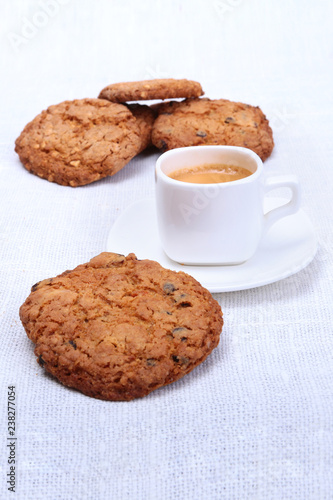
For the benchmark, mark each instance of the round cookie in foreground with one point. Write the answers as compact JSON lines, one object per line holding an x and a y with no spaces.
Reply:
{"x":196,"y":122}
{"x":117,"y":328}
{"x":78,"y":142}
{"x":163,"y":88}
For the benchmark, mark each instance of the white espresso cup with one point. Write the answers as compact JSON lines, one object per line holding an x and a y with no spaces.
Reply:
{"x":221,"y":223}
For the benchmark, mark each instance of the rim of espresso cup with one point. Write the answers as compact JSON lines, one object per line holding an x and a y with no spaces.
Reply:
{"x":200,"y":150}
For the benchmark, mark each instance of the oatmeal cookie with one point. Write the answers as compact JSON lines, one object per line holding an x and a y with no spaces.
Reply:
{"x":194,"y":122}
{"x":165,"y":88}
{"x":78,"y":142}
{"x":117,"y":328}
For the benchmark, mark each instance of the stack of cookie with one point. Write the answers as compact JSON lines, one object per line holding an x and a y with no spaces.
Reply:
{"x":78,"y":142}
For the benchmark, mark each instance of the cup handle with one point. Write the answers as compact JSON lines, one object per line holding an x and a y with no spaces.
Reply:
{"x":287,"y":181}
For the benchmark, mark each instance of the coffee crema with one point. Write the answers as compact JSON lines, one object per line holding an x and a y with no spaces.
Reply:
{"x":210,"y":173}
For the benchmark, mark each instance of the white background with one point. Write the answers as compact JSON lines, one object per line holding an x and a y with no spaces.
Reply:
{"x":255,"y":420}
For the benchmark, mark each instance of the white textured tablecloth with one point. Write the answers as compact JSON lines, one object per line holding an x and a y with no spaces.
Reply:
{"x":255,"y":421}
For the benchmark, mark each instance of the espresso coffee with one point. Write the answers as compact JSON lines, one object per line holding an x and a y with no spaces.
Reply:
{"x":210,"y":173}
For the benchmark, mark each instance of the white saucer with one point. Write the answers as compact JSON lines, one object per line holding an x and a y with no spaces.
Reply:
{"x":288,"y":247}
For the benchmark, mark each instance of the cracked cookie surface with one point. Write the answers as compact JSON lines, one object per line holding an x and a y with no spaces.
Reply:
{"x":159,"y":88}
{"x":117,"y":328}
{"x":78,"y":142}
{"x":203,"y":121}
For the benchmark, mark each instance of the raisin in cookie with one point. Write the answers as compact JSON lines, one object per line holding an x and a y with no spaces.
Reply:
{"x":165,"y":88}
{"x":78,"y":142}
{"x":116,"y":328}
{"x":195,"y":122}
